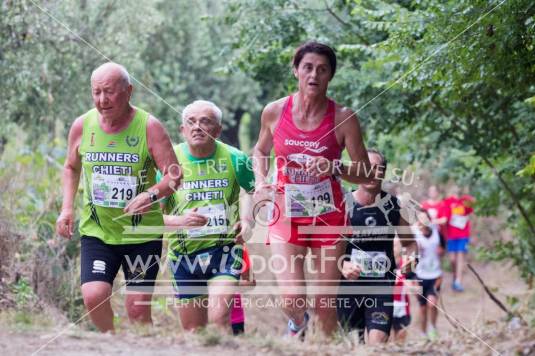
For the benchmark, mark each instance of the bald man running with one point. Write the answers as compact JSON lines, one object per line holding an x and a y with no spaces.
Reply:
{"x":119,"y":148}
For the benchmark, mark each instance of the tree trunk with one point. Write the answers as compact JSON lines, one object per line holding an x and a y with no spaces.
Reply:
{"x":513,"y":196}
{"x":230,"y":133}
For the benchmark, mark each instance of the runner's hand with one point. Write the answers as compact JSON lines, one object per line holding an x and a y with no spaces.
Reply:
{"x":319,"y":166}
{"x":65,"y":224}
{"x":350,"y":270}
{"x":244,"y":231}
{"x":139,"y":205}
{"x":437,"y":284}
{"x":409,"y":264}
{"x":263,"y":191}
{"x":192,"y":219}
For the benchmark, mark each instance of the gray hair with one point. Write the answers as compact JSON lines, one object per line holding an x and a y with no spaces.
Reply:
{"x":124,"y":76}
{"x":216,"y":110}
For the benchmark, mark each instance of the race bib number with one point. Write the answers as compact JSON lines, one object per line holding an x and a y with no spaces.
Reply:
{"x":113,"y":191}
{"x":373,"y":264}
{"x":459,"y":221}
{"x":309,"y":200}
{"x":217,"y":221}
{"x":429,"y":264}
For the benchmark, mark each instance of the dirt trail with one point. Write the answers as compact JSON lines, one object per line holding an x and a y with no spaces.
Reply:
{"x":473,"y":309}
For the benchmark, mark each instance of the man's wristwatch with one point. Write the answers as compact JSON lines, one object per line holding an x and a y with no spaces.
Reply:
{"x":153,"y":196}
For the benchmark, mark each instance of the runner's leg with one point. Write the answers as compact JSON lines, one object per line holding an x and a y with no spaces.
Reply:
{"x":326,"y":275}
{"x":432,"y":310}
{"x":453,"y":260}
{"x":141,"y":263}
{"x":99,"y":264}
{"x":459,"y":266}
{"x":193,"y":313}
{"x":423,"y":318}
{"x":96,"y":297}
{"x":288,"y":263}
{"x":138,"y":307}
{"x":376,"y":337}
{"x":220,"y":300}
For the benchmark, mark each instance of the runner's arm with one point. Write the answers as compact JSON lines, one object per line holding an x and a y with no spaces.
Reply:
{"x":262,"y":149}
{"x":406,"y":238}
{"x":191,"y":219}
{"x":442,"y":247}
{"x":359,"y":170}
{"x":243,"y":166}
{"x":161,"y":151}
{"x":70,"y":179}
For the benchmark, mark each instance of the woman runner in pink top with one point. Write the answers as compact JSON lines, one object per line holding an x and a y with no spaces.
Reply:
{"x":308,"y":132}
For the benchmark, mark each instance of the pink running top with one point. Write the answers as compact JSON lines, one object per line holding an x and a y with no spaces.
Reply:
{"x":293,"y":147}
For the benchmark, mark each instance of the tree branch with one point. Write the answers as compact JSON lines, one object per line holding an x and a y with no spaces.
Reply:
{"x":510,"y":314}
{"x":344,"y":23}
{"x":502,"y":180}
{"x":513,"y":196}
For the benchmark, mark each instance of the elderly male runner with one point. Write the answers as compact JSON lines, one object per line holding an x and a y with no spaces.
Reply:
{"x":206,"y":252}
{"x":118,"y":147}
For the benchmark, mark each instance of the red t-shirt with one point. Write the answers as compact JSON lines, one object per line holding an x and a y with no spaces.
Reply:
{"x":458,"y":225}
{"x":436,"y":211}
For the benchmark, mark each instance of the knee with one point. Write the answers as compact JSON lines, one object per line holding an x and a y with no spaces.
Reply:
{"x":95,"y":297}
{"x":219,"y":317}
{"x":432,"y":301}
{"x":138,"y":310}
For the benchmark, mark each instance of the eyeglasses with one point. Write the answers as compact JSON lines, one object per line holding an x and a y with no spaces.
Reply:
{"x":203,"y":122}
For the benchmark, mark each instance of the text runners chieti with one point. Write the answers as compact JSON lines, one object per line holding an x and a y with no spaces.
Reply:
{"x":118,"y":147}
{"x":206,"y":253}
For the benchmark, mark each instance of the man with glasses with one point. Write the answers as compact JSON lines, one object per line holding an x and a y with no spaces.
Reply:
{"x":206,"y":251}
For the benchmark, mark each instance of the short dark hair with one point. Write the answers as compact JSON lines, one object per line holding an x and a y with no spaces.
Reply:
{"x":377,"y":152}
{"x":318,"y":48}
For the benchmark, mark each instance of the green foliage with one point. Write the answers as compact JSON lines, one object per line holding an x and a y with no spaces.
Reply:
{"x":23,"y":292}
{"x":176,"y":52}
{"x":187,"y":60}
{"x":448,"y":86}
{"x":30,"y":185}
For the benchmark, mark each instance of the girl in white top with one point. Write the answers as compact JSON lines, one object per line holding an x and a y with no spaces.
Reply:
{"x":431,"y":248}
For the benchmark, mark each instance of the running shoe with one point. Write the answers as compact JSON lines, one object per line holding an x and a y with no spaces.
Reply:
{"x":297,"y":331}
{"x":432,"y":335}
{"x":456,"y":286}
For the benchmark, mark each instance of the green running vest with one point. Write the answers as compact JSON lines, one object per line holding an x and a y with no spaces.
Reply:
{"x":116,"y":168}
{"x":211,"y":186}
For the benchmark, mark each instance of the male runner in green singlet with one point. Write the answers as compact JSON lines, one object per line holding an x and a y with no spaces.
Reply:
{"x":119,"y":148}
{"x":206,"y":252}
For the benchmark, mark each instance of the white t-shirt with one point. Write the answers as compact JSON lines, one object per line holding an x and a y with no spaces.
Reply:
{"x":429,"y":265}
